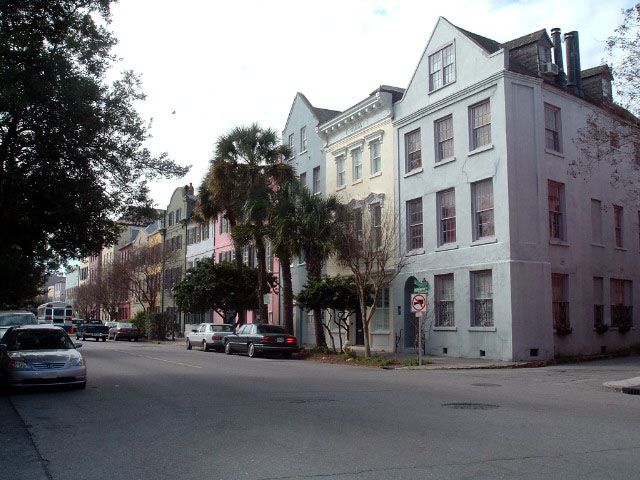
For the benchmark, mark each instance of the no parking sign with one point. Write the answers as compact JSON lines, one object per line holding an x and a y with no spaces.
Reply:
{"x":418,"y":302}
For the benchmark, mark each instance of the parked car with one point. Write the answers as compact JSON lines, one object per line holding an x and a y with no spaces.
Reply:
{"x":90,"y":330}
{"x":36,"y":355}
{"x":255,"y":339}
{"x":9,"y":319}
{"x":209,"y":336}
{"x":124,"y":331}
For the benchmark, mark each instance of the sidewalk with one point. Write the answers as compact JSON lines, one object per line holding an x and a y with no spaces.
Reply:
{"x":455,"y":363}
{"x":630,"y":385}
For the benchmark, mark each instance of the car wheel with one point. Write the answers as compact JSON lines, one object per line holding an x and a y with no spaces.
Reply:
{"x":77,"y":337}
{"x":84,"y":339}
{"x":205,"y":347}
{"x":251,"y":351}
{"x":104,"y":339}
{"x":227,"y":348}
{"x":189,"y":346}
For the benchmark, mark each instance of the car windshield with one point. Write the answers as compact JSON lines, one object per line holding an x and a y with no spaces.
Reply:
{"x":125,"y":325}
{"x":9,"y":319}
{"x":58,"y":312}
{"x":270,"y":329}
{"x":221,"y":328}
{"x":38,"y":340}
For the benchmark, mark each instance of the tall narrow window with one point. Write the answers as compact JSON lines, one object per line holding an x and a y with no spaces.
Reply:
{"x":376,"y":224}
{"x":178,"y":215}
{"x":303,"y":179}
{"x":560,"y":298}
{"x":292,"y":145}
{"x":356,"y":159}
{"x":480,"y":120}
{"x":414,"y":224}
{"x":358,"y":224}
{"x":444,"y":138}
{"x":171,"y":219}
{"x":552,"y":128}
{"x":442,"y":67}
{"x":596,"y":221}
{"x":598,"y":301}
{"x":413,"y":150}
{"x":618,"y":225}
{"x":444,"y":300}
{"x":621,"y":310}
{"x":482,"y":299}
{"x":556,"y":210}
{"x":446,"y":201}
{"x":482,"y":207}
{"x":303,"y":139}
{"x":381,"y":317}
{"x":205,"y":231}
{"x":376,"y":159}
{"x":341,"y":176}
{"x":316,"y":180}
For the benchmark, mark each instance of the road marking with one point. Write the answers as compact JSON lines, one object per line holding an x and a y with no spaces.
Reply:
{"x":161,"y":360}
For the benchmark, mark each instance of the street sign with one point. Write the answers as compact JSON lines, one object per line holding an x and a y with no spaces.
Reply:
{"x":421,"y":286}
{"x":418,"y":302}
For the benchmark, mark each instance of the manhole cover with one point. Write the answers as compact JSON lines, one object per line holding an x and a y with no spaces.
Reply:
{"x":486,"y":385}
{"x":470,"y":406}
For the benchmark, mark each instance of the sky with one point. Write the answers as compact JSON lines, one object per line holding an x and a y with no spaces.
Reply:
{"x":222,"y":64}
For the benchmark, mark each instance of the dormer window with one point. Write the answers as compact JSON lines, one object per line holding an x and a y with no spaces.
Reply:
{"x":544,"y":56}
{"x":442,"y":68}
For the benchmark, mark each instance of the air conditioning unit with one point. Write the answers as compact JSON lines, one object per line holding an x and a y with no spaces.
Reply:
{"x":549,"y":68}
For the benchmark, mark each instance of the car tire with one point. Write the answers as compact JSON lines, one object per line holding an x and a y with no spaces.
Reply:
{"x":189,"y":346}
{"x":104,"y":339}
{"x":84,"y":339}
{"x":227,"y":348}
{"x":205,"y":347}
{"x":77,"y":337}
{"x":251,"y":351}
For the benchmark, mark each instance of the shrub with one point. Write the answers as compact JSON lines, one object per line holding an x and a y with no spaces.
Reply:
{"x":139,"y":321}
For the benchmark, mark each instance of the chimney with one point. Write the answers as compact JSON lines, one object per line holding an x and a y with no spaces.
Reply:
{"x":557,"y":56}
{"x":574,"y":73}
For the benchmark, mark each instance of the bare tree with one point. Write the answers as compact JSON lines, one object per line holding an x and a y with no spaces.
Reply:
{"x":146,"y":270}
{"x":367,"y":244}
{"x":86,"y":301}
{"x":114,"y":287}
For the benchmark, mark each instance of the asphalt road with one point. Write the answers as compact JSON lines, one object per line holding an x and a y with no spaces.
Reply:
{"x":161,"y":412}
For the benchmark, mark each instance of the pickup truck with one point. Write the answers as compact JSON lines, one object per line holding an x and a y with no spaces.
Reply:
{"x":88,"y":330}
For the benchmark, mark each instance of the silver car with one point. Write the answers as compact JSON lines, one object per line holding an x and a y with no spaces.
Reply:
{"x":209,"y":336}
{"x":10,"y":319}
{"x":38,"y":355}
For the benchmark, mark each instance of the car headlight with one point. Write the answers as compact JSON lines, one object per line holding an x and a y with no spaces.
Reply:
{"x":76,"y":362}
{"x":18,"y":364}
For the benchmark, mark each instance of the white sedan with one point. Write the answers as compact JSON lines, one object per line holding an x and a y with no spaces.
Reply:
{"x":209,"y":336}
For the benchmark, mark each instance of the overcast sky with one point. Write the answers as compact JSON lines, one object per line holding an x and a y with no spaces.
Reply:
{"x":221,"y":64}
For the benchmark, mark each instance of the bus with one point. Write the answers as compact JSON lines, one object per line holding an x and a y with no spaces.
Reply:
{"x":56,"y":313}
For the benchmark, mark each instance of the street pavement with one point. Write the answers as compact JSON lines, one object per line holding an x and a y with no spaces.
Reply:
{"x":161,"y":412}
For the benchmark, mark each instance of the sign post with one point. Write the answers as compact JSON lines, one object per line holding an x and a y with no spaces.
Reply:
{"x":419,"y":306}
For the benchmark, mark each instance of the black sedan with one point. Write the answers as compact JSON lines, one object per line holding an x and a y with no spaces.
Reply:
{"x":255,"y":339}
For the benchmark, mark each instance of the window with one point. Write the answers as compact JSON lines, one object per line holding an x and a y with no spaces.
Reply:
{"x":376,"y":223}
{"x":224,"y":225}
{"x":444,"y":300}
{"x":414,"y":224}
{"x":170,"y":219}
{"x":341,"y":173}
{"x":442,"y":67}
{"x":316,"y":180}
{"x":205,"y":231}
{"x":621,"y":312}
{"x":444,"y":138}
{"x":480,"y":120}
{"x":556,"y":210}
{"x":617,"y":219}
{"x":482,"y":207}
{"x":303,"y":179}
{"x":356,"y":160}
{"x":446,"y":202}
{"x":560,"y":297}
{"x":303,"y":139}
{"x":358,"y":224}
{"x":376,"y":159}
{"x":178,"y":215}
{"x":269,"y":255}
{"x":245,"y":256}
{"x":412,"y":147}
{"x":482,"y":301}
{"x":552,"y":128}
{"x":598,"y":301}
{"x":292,"y":146}
{"x":596,"y":221}
{"x":189,"y":265}
{"x":381,"y":317}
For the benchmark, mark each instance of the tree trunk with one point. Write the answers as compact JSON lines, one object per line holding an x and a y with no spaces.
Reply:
{"x":263,"y":286}
{"x":287,"y":294}
{"x":242,"y":314}
{"x":314,"y":271}
{"x":365,"y":328}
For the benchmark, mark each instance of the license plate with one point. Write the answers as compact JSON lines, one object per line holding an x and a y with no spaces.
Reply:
{"x":280,"y":340}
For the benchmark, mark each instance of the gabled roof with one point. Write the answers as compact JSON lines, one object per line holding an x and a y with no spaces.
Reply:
{"x":600,"y":69}
{"x":321,"y":114}
{"x":527,"y":39}
{"x":487,"y":44}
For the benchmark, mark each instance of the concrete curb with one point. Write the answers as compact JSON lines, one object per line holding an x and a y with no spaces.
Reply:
{"x":630,"y":385}
{"x":492,"y":366}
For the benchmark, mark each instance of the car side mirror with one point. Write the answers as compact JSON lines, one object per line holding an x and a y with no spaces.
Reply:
{"x":77,"y":345}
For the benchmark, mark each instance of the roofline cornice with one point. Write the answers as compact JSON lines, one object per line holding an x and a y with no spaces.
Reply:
{"x":374,"y":102}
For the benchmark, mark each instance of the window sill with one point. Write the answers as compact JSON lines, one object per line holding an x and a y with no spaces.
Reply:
{"x":599,"y":245}
{"x":481,"y":149}
{"x":445,"y":329}
{"x":440,"y":88}
{"x":413,"y":172}
{"x":417,"y":251}
{"x":559,"y":243}
{"x":377,"y":174}
{"x":317,"y":193}
{"x":447,"y":246}
{"x":484,"y":241}
{"x":381,"y":332}
{"x":303,"y":152}
{"x":554,"y":153}
{"x":620,"y":249}
{"x":482,"y":329}
{"x":356,"y":182}
{"x":444,"y":161}
{"x":342,"y":187}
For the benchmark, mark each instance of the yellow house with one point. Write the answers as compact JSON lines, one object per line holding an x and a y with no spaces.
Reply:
{"x":359,"y":159}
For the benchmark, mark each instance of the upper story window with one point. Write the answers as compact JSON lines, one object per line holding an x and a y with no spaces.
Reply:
{"x":442,"y":68}
{"x":376,"y":224}
{"x":414,"y":224}
{"x":356,"y":159}
{"x":303,"y":139}
{"x":292,"y":145}
{"x":446,"y":201}
{"x":178,"y":215}
{"x":480,"y":122}
{"x":171,"y":219}
{"x":376,"y":158}
{"x":552,"y":128}
{"x":341,"y":174}
{"x":316,"y":180}
{"x":444,"y":138}
{"x":303,"y":179}
{"x":596,"y":221}
{"x":205,"y":231}
{"x":556,"y":210}
{"x":413,"y":150}
{"x":482,"y":207}
{"x":224,"y":225}
{"x":617,"y":219}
